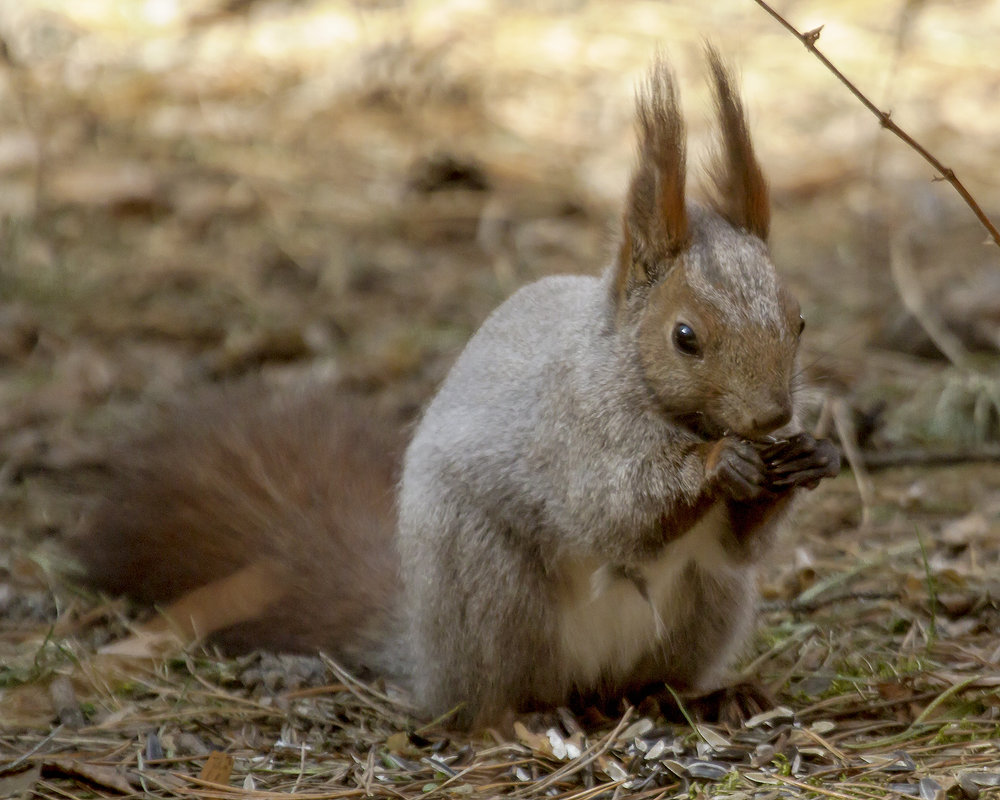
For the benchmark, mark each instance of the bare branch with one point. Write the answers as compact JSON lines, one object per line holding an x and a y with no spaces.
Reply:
{"x":808,"y":40}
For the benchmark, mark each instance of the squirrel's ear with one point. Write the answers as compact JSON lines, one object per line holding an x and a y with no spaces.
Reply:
{"x":739,"y":191}
{"x":654,"y":225}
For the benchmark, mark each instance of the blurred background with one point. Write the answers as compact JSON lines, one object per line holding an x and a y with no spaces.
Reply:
{"x":195,"y":190}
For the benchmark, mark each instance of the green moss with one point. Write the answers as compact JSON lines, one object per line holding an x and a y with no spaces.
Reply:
{"x":782,"y":765}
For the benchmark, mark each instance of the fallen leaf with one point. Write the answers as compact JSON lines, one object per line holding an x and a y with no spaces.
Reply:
{"x":890,"y":690}
{"x":20,"y":784}
{"x":105,"y":777}
{"x":536,"y":742}
{"x":218,"y":768}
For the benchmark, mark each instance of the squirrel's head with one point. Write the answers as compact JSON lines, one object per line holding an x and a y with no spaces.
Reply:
{"x":716,"y":331}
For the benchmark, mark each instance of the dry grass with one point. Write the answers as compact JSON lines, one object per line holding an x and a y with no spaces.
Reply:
{"x":202,"y":197}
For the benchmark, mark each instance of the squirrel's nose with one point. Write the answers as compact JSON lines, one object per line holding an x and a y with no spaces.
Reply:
{"x":773,"y":416}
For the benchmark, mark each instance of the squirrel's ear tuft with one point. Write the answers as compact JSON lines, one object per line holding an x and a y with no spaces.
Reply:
{"x":654,"y":225}
{"x":739,"y":191}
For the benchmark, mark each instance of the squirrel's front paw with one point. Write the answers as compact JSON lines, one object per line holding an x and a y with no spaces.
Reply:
{"x":735,"y":469}
{"x":799,"y":460}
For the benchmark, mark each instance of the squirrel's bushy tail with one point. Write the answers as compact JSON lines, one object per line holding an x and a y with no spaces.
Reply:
{"x":265,"y":517}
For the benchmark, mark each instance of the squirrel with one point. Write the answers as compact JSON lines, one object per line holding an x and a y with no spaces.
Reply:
{"x":581,"y":508}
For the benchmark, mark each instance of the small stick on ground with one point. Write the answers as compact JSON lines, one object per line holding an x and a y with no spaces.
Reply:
{"x":911,"y":457}
{"x":849,"y":443}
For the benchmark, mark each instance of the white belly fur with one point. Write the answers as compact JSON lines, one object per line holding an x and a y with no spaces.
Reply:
{"x":607,"y":626}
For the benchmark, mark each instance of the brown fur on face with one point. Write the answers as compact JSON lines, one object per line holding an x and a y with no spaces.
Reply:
{"x":746,"y":323}
{"x":707,"y":268}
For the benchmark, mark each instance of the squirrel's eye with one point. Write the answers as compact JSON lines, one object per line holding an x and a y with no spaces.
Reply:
{"x":802,"y":324}
{"x":685,"y":340}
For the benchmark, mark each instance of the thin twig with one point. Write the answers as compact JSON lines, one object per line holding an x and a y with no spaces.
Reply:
{"x":839,"y":578}
{"x":849,"y":445}
{"x":910,"y":457}
{"x":835,"y":751}
{"x":754,"y":667}
{"x":833,"y":599}
{"x":937,"y":701}
{"x":363,"y":692}
{"x":17,"y":763}
{"x":809,"y":39}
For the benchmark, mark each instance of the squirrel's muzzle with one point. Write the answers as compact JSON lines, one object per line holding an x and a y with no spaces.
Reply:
{"x":773,"y":417}
{"x":763,"y":417}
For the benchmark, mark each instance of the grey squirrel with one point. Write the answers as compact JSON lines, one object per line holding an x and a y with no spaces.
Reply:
{"x":582,"y":506}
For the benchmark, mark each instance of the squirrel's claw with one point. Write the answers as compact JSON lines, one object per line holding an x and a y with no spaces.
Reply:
{"x":736,"y":470}
{"x":804,"y":463}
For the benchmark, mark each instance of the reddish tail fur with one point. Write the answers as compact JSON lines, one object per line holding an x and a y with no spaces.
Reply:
{"x":285,"y":499}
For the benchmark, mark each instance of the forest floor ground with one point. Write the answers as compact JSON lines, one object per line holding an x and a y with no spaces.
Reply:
{"x":195,"y":192}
